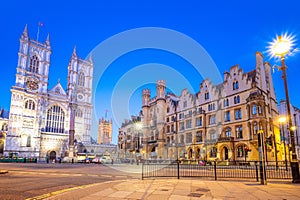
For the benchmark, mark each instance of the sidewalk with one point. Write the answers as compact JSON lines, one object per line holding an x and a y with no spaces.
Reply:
{"x":179,"y":189}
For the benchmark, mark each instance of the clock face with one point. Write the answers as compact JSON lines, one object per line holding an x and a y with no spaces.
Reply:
{"x":32,"y":83}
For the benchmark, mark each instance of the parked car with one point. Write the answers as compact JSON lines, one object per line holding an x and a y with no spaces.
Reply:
{"x":96,"y":160}
{"x":105,"y":160}
{"x":88,"y":160}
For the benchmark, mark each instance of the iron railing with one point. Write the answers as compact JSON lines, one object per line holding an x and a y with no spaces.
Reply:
{"x":214,"y":169}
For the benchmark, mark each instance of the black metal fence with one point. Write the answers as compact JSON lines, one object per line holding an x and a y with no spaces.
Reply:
{"x":215,"y":169}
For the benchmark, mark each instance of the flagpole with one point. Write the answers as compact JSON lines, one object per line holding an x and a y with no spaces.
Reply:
{"x":38,"y":33}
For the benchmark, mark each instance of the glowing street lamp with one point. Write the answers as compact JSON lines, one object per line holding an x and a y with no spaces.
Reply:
{"x":280,"y":47}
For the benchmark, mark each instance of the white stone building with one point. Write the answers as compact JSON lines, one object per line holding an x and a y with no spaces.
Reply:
{"x":39,"y":119}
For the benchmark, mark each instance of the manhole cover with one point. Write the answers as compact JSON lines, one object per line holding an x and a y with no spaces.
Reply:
{"x":195,"y":195}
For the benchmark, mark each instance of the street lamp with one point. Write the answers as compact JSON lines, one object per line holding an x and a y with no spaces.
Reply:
{"x":282,"y":120}
{"x":138,"y":127}
{"x":280,"y":47}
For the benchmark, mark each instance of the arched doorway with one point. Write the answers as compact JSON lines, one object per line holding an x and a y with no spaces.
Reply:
{"x":52,"y":156}
{"x":153,"y":152}
{"x":190,"y":154}
{"x":197,"y":153}
{"x":225,"y":153}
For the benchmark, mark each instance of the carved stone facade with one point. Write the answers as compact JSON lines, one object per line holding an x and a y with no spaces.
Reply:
{"x":220,"y":122}
{"x":105,"y":131}
{"x":40,"y":117}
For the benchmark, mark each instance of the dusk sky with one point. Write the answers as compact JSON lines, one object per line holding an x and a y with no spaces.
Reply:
{"x":229,"y":31}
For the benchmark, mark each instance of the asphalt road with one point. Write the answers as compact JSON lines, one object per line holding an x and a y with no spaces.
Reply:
{"x":28,"y":180}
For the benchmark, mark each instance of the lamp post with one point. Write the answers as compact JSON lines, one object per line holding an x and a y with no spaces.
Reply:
{"x":261,"y":149}
{"x":282,"y":120}
{"x":138,"y":127}
{"x":280,"y":47}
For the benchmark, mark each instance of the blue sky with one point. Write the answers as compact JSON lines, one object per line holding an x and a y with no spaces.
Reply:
{"x":230,"y":31}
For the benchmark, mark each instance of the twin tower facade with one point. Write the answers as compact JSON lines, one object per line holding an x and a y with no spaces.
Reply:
{"x":39,"y":120}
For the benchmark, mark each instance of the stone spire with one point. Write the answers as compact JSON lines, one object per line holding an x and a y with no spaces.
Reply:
{"x":74,"y":54}
{"x":25,"y":32}
{"x":48,"y":40}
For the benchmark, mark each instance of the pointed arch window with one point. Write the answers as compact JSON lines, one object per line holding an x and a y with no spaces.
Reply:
{"x":29,"y":104}
{"x":81,"y":79}
{"x":254,"y":109}
{"x":55,"y":120}
{"x":78,"y":113}
{"x":34,"y":64}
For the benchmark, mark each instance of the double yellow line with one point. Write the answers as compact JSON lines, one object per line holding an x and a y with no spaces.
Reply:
{"x":60,"y":192}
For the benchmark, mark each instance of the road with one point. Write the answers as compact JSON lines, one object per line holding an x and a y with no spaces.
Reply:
{"x":28,"y":180}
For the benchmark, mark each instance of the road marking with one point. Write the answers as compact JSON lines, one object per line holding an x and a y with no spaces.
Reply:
{"x":106,"y":175}
{"x":60,"y":192}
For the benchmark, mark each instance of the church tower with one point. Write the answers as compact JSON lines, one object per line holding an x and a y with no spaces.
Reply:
{"x":79,"y":91}
{"x":105,"y":131}
{"x":28,"y":96}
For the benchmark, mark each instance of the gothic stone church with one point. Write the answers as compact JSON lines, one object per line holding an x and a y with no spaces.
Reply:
{"x":39,"y":120}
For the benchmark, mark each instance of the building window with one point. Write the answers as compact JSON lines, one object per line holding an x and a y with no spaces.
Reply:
{"x":259,"y":109}
{"x":213,"y":152}
{"x":55,"y":120}
{"x":29,"y":104}
{"x":227,"y":116}
{"x":168,"y":109}
{"x":4,"y":127}
{"x":181,"y":126}
{"x":188,"y":124}
{"x":240,"y":151}
{"x":226,"y":102}
{"x":168,"y":129}
{"x":237,"y":99}
{"x":81,"y":79}
{"x":181,"y":116}
{"x":211,"y":107}
{"x":189,"y":138}
{"x":172,"y":128}
{"x":254,"y":110}
{"x":206,"y":95}
{"x":185,"y":104}
{"x":212,"y":119}
{"x":255,"y":128}
{"x":181,"y":139}
{"x":235,"y":85}
{"x":34,"y":64}
{"x":167,"y":119}
{"x":199,"y":109}
{"x":213,"y":136}
{"x":199,"y":136}
{"x":199,"y":121}
{"x":239,"y":132}
{"x":238,"y":114}
{"x":228,"y":132}
{"x":78,"y":113}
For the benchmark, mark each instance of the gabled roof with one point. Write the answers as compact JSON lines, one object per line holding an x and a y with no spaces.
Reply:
{"x":58,"y":90}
